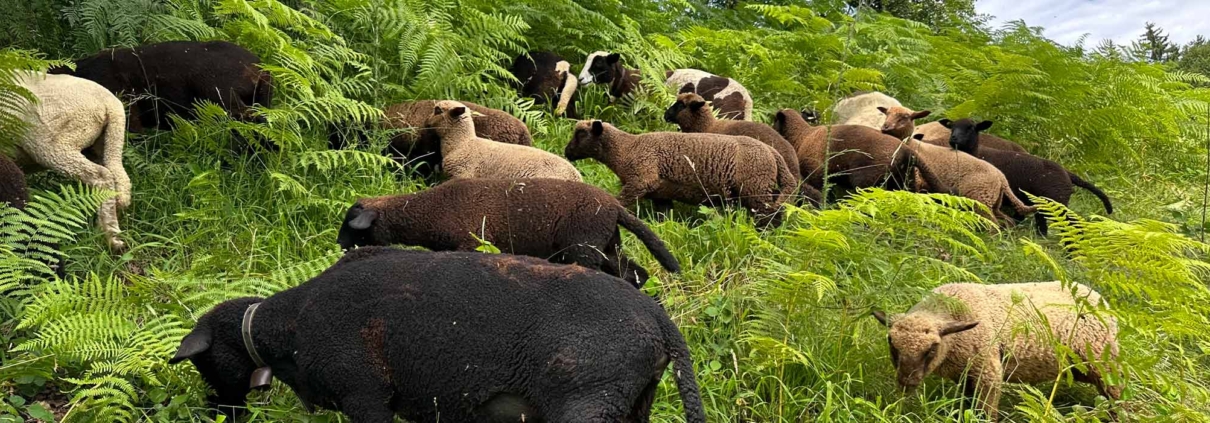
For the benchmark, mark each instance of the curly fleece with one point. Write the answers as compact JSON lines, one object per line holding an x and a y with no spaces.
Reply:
{"x":466,"y":156}
{"x":972,"y":178}
{"x":862,"y":109}
{"x":419,"y":143}
{"x":693,"y":114}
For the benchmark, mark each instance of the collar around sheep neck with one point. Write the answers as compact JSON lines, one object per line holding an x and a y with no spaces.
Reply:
{"x":245,"y":329}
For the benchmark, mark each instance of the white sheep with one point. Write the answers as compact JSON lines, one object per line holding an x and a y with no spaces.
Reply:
{"x":862,"y":109}
{"x":465,"y":155}
{"x":73,"y":114}
{"x":991,"y":334}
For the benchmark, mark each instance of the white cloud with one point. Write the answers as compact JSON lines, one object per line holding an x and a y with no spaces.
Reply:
{"x":1120,"y":20}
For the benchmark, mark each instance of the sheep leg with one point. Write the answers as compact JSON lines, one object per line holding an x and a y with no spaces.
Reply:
{"x":987,"y":382}
{"x":73,"y":164}
{"x":588,"y":411}
{"x":641,"y":413}
{"x":763,"y":205}
{"x":367,"y":409}
{"x":631,"y":193}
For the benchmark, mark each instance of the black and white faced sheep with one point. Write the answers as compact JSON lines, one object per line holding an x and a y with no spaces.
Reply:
{"x":730,"y":98}
{"x":561,"y":221}
{"x":12,"y":184}
{"x":1025,"y":172}
{"x":692,"y":113}
{"x":862,"y":109}
{"x":900,"y":122}
{"x":689,"y":168}
{"x":970,"y":177}
{"x":981,"y":333}
{"x":422,"y":145}
{"x":450,"y":337}
{"x":465,"y":155}
{"x":167,"y":78}
{"x":546,"y":78}
{"x":72,"y":115}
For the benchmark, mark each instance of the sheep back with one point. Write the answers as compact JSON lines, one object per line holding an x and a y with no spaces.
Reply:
{"x":938,"y":135}
{"x":418,"y":144}
{"x":726,"y":95}
{"x":862,"y":109}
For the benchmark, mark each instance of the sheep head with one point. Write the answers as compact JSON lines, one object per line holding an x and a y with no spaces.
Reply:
{"x":599,"y":68}
{"x":690,"y":112}
{"x":452,"y":117}
{"x":919,"y":342}
{"x":964,"y":133}
{"x":216,"y":348}
{"x":901,"y":121}
{"x":790,"y":120}
{"x":358,"y":227}
{"x":586,"y":141}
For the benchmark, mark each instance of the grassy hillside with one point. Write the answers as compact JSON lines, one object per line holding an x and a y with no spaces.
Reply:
{"x":778,"y":320}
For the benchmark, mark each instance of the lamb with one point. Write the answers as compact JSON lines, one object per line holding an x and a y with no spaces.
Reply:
{"x":970,"y":177}
{"x":1024,"y":172}
{"x":980,"y":332}
{"x":562,"y":221}
{"x":13,"y":191}
{"x":862,"y":109}
{"x":73,"y":114}
{"x":900,"y":122}
{"x":168,"y":78}
{"x":451,"y":337}
{"x":690,"y":168}
{"x":693,"y":114}
{"x":466,"y":156}
{"x":730,"y":98}
{"x":418,"y":143}
{"x":545,"y":76}
{"x":857,"y":156}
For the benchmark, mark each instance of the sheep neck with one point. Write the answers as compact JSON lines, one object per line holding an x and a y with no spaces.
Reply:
{"x":457,"y":136}
{"x":616,"y":147}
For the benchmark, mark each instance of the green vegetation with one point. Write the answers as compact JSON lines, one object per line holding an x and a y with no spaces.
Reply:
{"x":777,"y":320}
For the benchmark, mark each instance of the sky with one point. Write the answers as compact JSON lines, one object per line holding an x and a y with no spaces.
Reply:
{"x":1120,"y":20}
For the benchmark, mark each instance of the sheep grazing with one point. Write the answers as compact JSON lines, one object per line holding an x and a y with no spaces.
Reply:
{"x":692,"y":113}
{"x":967,"y":176}
{"x":979,"y":332}
{"x":545,"y":76}
{"x":465,"y":155}
{"x":168,"y":78}
{"x":730,"y":98}
{"x":71,"y":115}
{"x":562,"y":221}
{"x":12,"y":184}
{"x":451,"y":337}
{"x":862,"y":109}
{"x":1024,"y":172}
{"x":690,"y":168}
{"x":418,"y":143}
{"x":857,"y":156}
{"x":900,"y":122}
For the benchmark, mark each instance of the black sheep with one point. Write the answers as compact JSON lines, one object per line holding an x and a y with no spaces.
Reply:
{"x":546,"y":77}
{"x":12,"y":184}
{"x":562,"y":221}
{"x":168,"y":78}
{"x":452,"y":337}
{"x":1025,"y":172}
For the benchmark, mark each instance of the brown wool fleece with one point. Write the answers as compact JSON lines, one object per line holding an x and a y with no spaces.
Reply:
{"x":993,"y":334}
{"x":689,"y":168}
{"x":562,"y":221}
{"x":693,"y":114}
{"x":466,"y":156}
{"x":967,"y":176}
{"x":12,"y":184}
{"x":416,"y":142}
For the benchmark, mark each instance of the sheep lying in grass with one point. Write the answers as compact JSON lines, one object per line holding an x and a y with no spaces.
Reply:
{"x":900,"y":122}
{"x":730,"y":98}
{"x":987,"y":335}
{"x":421,"y":144}
{"x":465,"y":155}
{"x":692,"y":114}
{"x":561,"y":221}
{"x":545,"y":76}
{"x":1024,"y":172}
{"x":862,"y":109}
{"x":690,"y":168}
{"x":73,"y":114}
{"x":970,"y":177}
{"x":12,"y":184}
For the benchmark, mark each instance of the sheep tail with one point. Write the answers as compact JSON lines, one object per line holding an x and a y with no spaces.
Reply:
{"x":682,"y":371}
{"x":1079,"y":182}
{"x":649,"y":238}
{"x":926,"y":172}
{"x":115,"y":142}
{"x":1021,"y":208}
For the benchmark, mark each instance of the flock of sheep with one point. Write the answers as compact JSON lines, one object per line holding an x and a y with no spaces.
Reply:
{"x":509,"y":338}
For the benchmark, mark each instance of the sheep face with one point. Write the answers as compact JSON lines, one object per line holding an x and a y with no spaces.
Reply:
{"x":358,"y":228}
{"x":586,"y":142}
{"x":216,"y":349}
{"x":919,"y":343}
{"x":448,"y":115}
{"x":690,"y":112}
{"x":964,"y":133}
{"x":901,"y":121}
{"x":599,"y":68}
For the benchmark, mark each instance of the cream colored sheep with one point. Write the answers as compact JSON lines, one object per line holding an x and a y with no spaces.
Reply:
{"x":862,"y":109}
{"x":970,"y":177}
{"x":465,"y":155}
{"x":73,"y":114}
{"x":991,"y":334}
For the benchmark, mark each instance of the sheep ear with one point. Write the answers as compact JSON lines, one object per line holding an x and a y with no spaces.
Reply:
{"x":598,"y":128}
{"x":983,"y":126}
{"x":881,"y":316}
{"x":457,"y":111}
{"x":956,"y":327}
{"x":918,"y":137}
{"x":882,"y":109}
{"x":921,"y":114}
{"x":477,"y":114}
{"x":613,"y":58}
{"x":194,"y":343}
{"x":364,"y":220}
{"x":436,"y":111}
{"x":946,"y":123}
{"x":697,"y":105}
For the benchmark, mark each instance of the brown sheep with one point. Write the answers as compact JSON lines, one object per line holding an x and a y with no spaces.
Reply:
{"x":466,"y":156}
{"x":12,"y":184}
{"x":420,"y":144}
{"x":901,"y":123}
{"x":863,"y":157}
{"x":690,"y":168}
{"x":970,"y":177}
{"x":562,"y":221}
{"x":693,"y":114}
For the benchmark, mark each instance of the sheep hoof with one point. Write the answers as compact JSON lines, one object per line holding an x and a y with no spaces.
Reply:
{"x":117,"y":246}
